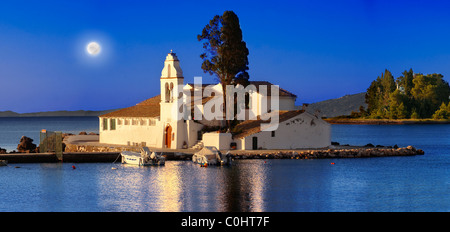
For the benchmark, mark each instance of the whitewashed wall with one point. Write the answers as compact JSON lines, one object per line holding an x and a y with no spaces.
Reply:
{"x":302,"y":131}
{"x":127,"y":133}
{"x":219,"y":140}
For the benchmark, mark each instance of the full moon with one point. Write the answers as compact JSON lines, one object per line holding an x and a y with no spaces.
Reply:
{"x":93,"y":48}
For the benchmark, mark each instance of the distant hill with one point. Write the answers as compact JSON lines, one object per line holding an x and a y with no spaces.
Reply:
{"x":339,"y":106}
{"x":9,"y":114}
{"x":61,"y":113}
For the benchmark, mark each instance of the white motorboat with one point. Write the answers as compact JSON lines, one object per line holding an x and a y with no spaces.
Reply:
{"x":144,"y":158}
{"x":210,"y":156}
{"x":3,"y":162}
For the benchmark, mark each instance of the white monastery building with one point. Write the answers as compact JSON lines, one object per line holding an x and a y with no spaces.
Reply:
{"x":153,"y":122}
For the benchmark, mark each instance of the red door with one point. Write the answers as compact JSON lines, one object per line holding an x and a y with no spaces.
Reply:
{"x":168,"y":136}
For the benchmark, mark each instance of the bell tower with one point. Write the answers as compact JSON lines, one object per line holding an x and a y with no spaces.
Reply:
{"x":171,"y":84}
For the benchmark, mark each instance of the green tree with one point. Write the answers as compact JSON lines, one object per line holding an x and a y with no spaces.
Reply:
{"x":388,"y":82}
{"x":401,"y":111}
{"x":372,"y":96}
{"x":443,"y":112}
{"x":414,"y":114}
{"x":406,"y":82}
{"x":428,"y":93}
{"x":397,"y":105}
{"x":410,"y":95}
{"x":378,"y":95}
{"x":225,"y":53}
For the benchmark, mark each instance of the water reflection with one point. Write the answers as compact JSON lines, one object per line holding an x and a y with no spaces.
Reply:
{"x":52,"y":183}
{"x":165,"y":188}
{"x":246,"y":185}
{"x":184,"y":186}
{"x":378,"y":184}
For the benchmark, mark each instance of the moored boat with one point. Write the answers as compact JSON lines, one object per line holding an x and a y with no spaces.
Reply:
{"x":209,"y":155}
{"x":144,"y":158}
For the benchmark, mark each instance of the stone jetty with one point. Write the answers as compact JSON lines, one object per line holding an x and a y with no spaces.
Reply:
{"x":353,"y":152}
{"x":111,"y":156}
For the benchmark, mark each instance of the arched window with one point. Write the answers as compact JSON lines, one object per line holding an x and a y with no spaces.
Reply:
{"x":166,"y":93}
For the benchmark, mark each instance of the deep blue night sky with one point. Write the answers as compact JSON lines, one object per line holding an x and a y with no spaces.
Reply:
{"x":315,"y":49}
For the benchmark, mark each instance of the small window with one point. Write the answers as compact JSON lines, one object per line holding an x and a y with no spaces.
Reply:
{"x":167,"y":92}
{"x":151,"y":122}
{"x":143,"y":122}
{"x":112,"y":125}
{"x":105,"y":124}
{"x":273,"y":133}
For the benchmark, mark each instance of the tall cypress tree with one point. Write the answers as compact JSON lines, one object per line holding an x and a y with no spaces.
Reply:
{"x":225,"y":54}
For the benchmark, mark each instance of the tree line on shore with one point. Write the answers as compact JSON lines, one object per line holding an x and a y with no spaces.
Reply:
{"x":411,"y":95}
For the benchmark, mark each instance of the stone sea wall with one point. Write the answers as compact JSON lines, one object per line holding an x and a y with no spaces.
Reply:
{"x":360,"y":152}
{"x":93,"y":148}
{"x":354,"y":152}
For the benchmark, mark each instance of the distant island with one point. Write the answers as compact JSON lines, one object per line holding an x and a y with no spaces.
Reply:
{"x":413,"y":98}
{"x":410,"y":96}
{"x":61,"y":113}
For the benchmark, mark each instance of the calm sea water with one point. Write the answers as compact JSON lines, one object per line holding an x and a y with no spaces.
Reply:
{"x":417,"y":183}
{"x":13,"y":128}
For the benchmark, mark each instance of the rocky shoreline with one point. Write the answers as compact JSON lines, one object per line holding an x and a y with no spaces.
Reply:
{"x":357,"y":121}
{"x":360,"y":152}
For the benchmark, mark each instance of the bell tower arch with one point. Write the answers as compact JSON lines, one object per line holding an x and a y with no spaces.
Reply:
{"x":171,"y":83}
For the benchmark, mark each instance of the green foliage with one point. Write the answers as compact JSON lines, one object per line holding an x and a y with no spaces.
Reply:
{"x":414,"y":114}
{"x":225,"y":53}
{"x":409,"y":96}
{"x":443,"y":112}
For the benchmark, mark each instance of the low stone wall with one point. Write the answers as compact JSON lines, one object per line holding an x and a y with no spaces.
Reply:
{"x":74,"y":149}
{"x":330,"y":153}
{"x":93,"y":148}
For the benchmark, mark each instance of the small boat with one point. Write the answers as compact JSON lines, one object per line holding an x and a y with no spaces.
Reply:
{"x":144,"y":158}
{"x":3,"y":163}
{"x":209,"y":155}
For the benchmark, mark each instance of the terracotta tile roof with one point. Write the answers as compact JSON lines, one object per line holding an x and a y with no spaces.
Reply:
{"x":151,"y":101}
{"x":250,"y":127}
{"x":147,"y":108}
